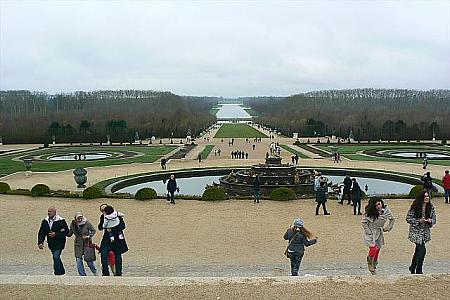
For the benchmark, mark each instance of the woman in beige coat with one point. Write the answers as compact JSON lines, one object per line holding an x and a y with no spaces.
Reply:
{"x":376,"y":220}
{"x":83,"y":231}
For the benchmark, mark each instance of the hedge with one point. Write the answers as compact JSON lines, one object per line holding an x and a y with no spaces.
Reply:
{"x":145,"y":193}
{"x":40,"y":190}
{"x":4,"y":188}
{"x":92,"y":192}
{"x":214,"y":193}
{"x":282,"y":194}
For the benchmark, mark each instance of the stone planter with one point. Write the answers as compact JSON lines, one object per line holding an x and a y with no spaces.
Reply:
{"x":80,"y":177}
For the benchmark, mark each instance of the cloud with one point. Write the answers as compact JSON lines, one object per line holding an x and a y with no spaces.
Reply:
{"x":224,"y":48}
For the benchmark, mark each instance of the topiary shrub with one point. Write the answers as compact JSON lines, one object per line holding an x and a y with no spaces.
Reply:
{"x":4,"y":188}
{"x":214,"y":193}
{"x":92,"y":192}
{"x":145,"y":193}
{"x":282,"y":194}
{"x":415,"y":190}
{"x":40,"y":190}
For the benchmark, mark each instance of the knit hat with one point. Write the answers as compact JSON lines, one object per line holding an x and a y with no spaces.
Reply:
{"x":298,"y":223}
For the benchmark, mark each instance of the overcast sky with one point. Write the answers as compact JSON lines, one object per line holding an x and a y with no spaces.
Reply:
{"x":224,"y":48}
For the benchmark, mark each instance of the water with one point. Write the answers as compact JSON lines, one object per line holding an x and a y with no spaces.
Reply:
{"x":414,"y":155}
{"x":71,"y":156}
{"x":196,"y":185}
{"x":232,"y":111}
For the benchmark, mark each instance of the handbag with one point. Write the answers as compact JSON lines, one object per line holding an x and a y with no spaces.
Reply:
{"x":286,"y":252}
{"x":89,"y":251}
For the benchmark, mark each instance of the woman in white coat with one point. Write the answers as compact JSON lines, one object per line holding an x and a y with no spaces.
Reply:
{"x":377,"y":219}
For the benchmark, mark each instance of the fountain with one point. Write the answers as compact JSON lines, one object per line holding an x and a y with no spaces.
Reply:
{"x":272,"y":175}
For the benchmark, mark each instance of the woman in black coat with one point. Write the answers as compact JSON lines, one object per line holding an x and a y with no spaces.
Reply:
{"x":113,"y":240}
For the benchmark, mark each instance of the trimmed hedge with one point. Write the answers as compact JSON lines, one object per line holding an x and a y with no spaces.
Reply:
{"x":40,"y":190}
{"x":282,"y":194}
{"x":417,"y":188}
{"x":145,"y":193}
{"x":4,"y":188}
{"x":214,"y":193}
{"x":92,"y":192}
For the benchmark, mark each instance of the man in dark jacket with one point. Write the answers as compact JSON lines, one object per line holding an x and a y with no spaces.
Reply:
{"x":55,"y":229}
{"x":321,"y":198}
{"x":347,"y":188}
{"x":171,"y":188}
{"x":427,"y":182}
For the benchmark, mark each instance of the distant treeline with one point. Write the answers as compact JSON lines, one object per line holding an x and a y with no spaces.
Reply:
{"x":34,"y":117}
{"x":373,"y":114}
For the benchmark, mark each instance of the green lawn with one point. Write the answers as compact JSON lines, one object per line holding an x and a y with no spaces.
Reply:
{"x":238,"y":131}
{"x":350,"y":152}
{"x":293,"y":151}
{"x":149,"y":154}
{"x":206,"y":151}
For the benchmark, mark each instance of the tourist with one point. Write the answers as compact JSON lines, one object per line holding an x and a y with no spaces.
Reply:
{"x":171,"y":188}
{"x":293,"y":159}
{"x":356,"y":197}
{"x":55,"y":229}
{"x":296,"y":159}
{"x":374,"y":223}
{"x":427,"y":183}
{"x":83,"y":231}
{"x":113,"y":239}
{"x":347,"y":187}
{"x":321,"y":198}
{"x":421,"y":217}
{"x":298,"y":237}
{"x":218,"y":151}
{"x":316,"y":181}
{"x":256,"y":189}
{"x":163,"y":163}
{"x":446,"y":185}
{"x":199,"y":157}
{"x":425,"y":163}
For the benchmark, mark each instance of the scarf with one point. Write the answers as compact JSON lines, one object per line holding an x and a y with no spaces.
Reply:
{"x":112,"y":220}
{"x":82,"y":222}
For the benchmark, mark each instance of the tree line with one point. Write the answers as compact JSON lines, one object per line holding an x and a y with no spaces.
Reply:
{"x":371,"y":114}
{"x":34,"y":117}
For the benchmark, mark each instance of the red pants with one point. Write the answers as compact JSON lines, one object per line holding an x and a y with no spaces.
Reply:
{"x":374,"y":251}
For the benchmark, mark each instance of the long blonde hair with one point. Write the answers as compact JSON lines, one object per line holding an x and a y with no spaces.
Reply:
{"x":308,"y":234}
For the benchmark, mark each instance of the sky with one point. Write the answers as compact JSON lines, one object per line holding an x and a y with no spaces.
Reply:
{"x":224,"y":48}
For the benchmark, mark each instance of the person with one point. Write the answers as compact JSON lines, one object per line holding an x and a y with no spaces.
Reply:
{"x":316,"y":181}
{"x":298,"y":237}
{"x":113,"y":239}
{"x":199,"y":157}
{"x":163,"y":163}
{"x":296,"y":159}
{"x":421,"y":217}
{"x":55,"y":229}
{"x":427,"y":182}
{"x":171,"y":188}
{"x":347,"y":187}
{"x":256,"y":189}
{"x":374,"y":223}
{"x":425,"y":163}
{"x":356,"y":197}
{"x":83,"y":231}
{"x":111,"y":259}
{"x":446,"y":185}
{"x":321,"y":198}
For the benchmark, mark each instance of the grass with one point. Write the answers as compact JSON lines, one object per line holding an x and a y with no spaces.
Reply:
{"x":238,"y":131}
{"x":293,"y":151}
{"x":206,"y":151}
{"x":148,"y":154}
{"x":350,"y":152}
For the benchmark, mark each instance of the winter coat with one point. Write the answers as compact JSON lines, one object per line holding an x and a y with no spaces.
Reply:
{"x":256,"y":184}
{"x":59,"y":227}
{"x":321,"y":195}
{"x":420,"y":232}
{"x":347,"y":183}
{"x":356,"y":193}
{"x":79,"y":231}
{"x":171,"y":185}
{"x":299,"y":242}
{"x":427,"y":182}
{"x":446,"y":181}
{"x":373,"y":229}
{"x":119,"y":245}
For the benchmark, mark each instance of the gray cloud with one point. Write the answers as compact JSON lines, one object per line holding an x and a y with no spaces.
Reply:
{"x":224,"y":48}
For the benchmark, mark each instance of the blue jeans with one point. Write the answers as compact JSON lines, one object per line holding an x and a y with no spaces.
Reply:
{"x":447,"y":195}
{"x":296,"y":260}
{"x":58,"y":266}
{"x":105,"y":251}
{"x":80,"y":266}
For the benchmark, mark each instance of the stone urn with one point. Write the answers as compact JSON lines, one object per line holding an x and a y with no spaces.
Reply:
{"x":80,"y":177}
{"x":28,"y":162}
